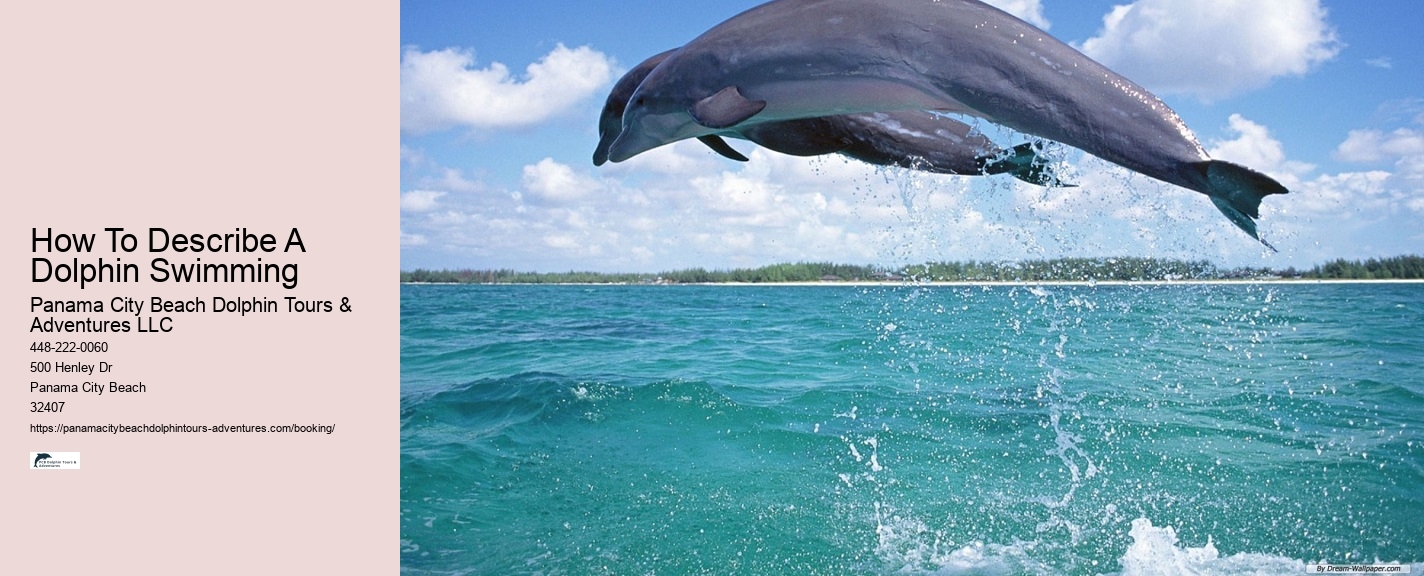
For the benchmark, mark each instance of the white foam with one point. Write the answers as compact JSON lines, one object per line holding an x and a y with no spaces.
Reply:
{"x":908,"y":546}
{"x":1157,"y":551}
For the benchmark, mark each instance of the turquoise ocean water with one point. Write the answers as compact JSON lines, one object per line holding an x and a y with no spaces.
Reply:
{"x":1143,"y":429}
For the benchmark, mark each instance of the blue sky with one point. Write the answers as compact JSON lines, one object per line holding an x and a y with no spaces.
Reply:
{"x":500,"y":105}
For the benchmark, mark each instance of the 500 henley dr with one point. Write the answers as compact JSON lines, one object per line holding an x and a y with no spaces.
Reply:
{"x":160,"y":240}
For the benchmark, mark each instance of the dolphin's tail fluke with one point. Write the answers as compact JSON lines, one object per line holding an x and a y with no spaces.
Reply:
{"x":1237,"y":191}
{"x":1024,"y":163}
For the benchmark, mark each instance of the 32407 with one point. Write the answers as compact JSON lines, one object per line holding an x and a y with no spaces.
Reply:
{"x":46,"y":406}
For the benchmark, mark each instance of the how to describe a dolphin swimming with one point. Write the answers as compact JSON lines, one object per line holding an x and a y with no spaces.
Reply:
{"x":821,"y":76}
{"x":914,"y":139}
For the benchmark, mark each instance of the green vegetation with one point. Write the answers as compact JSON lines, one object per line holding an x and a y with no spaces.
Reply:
{"x":1065,"y":269}
{"x":799,"y":272}
{"x":512,"y":277}
{"x":1062,"y":269}
{"x":1397,"y":268}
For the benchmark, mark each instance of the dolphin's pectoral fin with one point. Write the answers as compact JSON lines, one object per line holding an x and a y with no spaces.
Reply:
{"x":720,"y":146}
{"x":1237,"y":191}
{"x":1024,"y":163}
{"x":725,"y":109}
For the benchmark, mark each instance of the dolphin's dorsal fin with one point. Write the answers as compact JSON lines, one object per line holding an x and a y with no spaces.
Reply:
{"x":725,"y":109}
{"x":720,"y":146}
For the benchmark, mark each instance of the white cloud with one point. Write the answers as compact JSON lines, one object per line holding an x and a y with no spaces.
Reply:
{"x":455,"y":181}
{"x":687,"y":207}
{"x":411,"y":156}
{"x":1255,"y":148}
{"x":1213,"y":49}
{"x":441,"y":89}
{"x":745,"y":195}
{"x":680,"y":158}
{"x":1311,"y":195}
{"x":1030,"y":11}
{"x":1404,"y":147}
{"x":1377,"y":146}
{"x":1345,"y":214}
{"x":1344,"y":193}
{"x":697,"y":209}
{"x":419,"y":200}
{"x":1383,"y":62}
{"x":449,"y":218}
{"x":1253,"y":145}
{"x":562,"y":242}
{"x":556,"y":182}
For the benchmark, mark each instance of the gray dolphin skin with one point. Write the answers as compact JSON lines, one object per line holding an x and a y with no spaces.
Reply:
{"x":796,"y":59}
{"x":913,"y":139}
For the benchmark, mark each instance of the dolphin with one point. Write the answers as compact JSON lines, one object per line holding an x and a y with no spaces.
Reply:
{"x":796,"y":59}
{"x":40,"y":456}
{"x":914,"y":139}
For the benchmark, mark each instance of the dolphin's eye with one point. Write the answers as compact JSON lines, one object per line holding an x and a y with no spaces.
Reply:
{"x":640,"y":101}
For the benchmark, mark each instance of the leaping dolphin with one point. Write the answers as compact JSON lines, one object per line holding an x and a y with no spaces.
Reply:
{"x":913,"y":139}
{"x":795,"y":59}
{"x":906,"y":138}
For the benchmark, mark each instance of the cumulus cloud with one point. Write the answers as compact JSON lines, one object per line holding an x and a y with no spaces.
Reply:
{"x":682,"y":206}
{"x":455,"y":181}
{"x":1254,"y":147}
{"x":1372,"y":210}
{"x":1404,"y":147}
{"x":687,"y":207}
{"x":1030,"y":11}
{"x":697,"y":209}
{"x":556,"y":182}
{"x":1377,"y":145}
{"x":562,"y":242}
{"x":411,"y":156}
{"x":1213,"y":49}
{"x":1346,"y":192}
{"x":419,"y":200}
{"x":442,"y":89}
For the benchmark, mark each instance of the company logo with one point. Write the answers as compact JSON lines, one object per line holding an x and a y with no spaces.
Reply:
{"x":54,"y":460}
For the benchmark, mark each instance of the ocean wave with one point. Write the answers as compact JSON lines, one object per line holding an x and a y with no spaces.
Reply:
{"x":905,"y":546}
{"x":939,"y":431}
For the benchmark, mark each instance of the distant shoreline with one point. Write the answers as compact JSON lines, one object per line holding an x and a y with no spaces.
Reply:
{"x":961,"y":283}
{"x":1058,"y":271}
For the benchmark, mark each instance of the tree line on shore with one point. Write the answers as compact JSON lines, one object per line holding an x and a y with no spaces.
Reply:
{"x":1059,"y":269}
